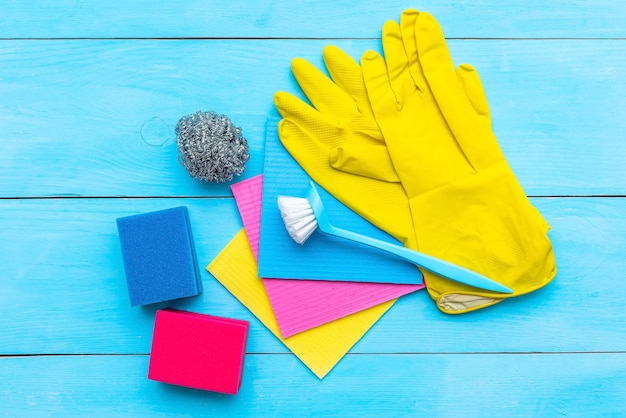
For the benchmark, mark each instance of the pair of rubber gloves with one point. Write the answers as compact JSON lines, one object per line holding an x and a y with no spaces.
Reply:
{"x":406,"y":142}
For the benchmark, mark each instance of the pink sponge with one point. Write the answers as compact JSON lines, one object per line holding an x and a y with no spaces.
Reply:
{"x":198,"y":351}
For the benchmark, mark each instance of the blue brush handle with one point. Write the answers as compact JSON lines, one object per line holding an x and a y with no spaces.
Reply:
{"x":442,"y":268}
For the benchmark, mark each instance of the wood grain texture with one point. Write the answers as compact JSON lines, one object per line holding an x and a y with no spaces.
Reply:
{"x":513,"y":385}
{"x":65,"y":291}
{"x":317,"y":19}
{"x":97,"y":118}
{"x":90,"y":93}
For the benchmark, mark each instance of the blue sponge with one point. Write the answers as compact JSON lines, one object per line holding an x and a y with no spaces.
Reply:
{"x":159,"y":256}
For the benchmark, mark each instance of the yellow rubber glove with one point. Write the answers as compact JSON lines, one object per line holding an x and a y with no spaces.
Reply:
{"x":342,"y":117}
{"x":466,"y":204}
{"x":339,"y":144}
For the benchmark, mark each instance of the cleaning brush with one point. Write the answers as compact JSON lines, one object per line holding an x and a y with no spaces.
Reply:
{"x":303,"y":216}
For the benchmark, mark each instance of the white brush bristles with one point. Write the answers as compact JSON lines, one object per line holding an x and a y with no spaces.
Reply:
{"x":298,"y":217}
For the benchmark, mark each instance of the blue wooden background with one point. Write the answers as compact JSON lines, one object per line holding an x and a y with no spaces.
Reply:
{"x":90,"y":93}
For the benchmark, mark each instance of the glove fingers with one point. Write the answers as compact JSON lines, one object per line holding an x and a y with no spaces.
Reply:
{"x":407,"y":28}
{"x":308,"y":119}
{"x":371,"y":161}
{"x":325,"y":95}
{"x":389,"y":210}
{"x":347,"y":75}
{"x":478,"y":143}
{"x":308,"y":129}
{"x":473,"y":87}
{"x":302,"y":146}
{"x":376,"y":79}
{"x":397,"y":61}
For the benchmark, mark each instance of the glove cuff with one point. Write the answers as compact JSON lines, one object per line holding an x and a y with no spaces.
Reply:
{"x":483,"y":222}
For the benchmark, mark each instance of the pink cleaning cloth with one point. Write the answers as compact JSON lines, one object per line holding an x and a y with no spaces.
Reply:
{"x":299,"y":305}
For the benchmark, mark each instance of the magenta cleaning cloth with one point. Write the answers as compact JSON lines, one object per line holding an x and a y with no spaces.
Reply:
{"x":299,"y":305}
{"x":322,"y":257}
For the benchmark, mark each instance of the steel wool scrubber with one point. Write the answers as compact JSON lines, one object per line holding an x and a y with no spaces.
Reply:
{"x":210,"y":147}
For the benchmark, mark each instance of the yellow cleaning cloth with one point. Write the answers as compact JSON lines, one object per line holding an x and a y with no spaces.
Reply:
{"x":320,"y":348}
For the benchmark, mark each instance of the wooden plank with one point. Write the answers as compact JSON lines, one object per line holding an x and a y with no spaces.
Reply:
{"x":320,"y":19}
{"x":63,"y":286}
{"x":97,"y":118}
{"x":574,"y":385}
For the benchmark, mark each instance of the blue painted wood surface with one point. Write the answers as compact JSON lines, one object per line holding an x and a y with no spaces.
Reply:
{"x":90,"y":93}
